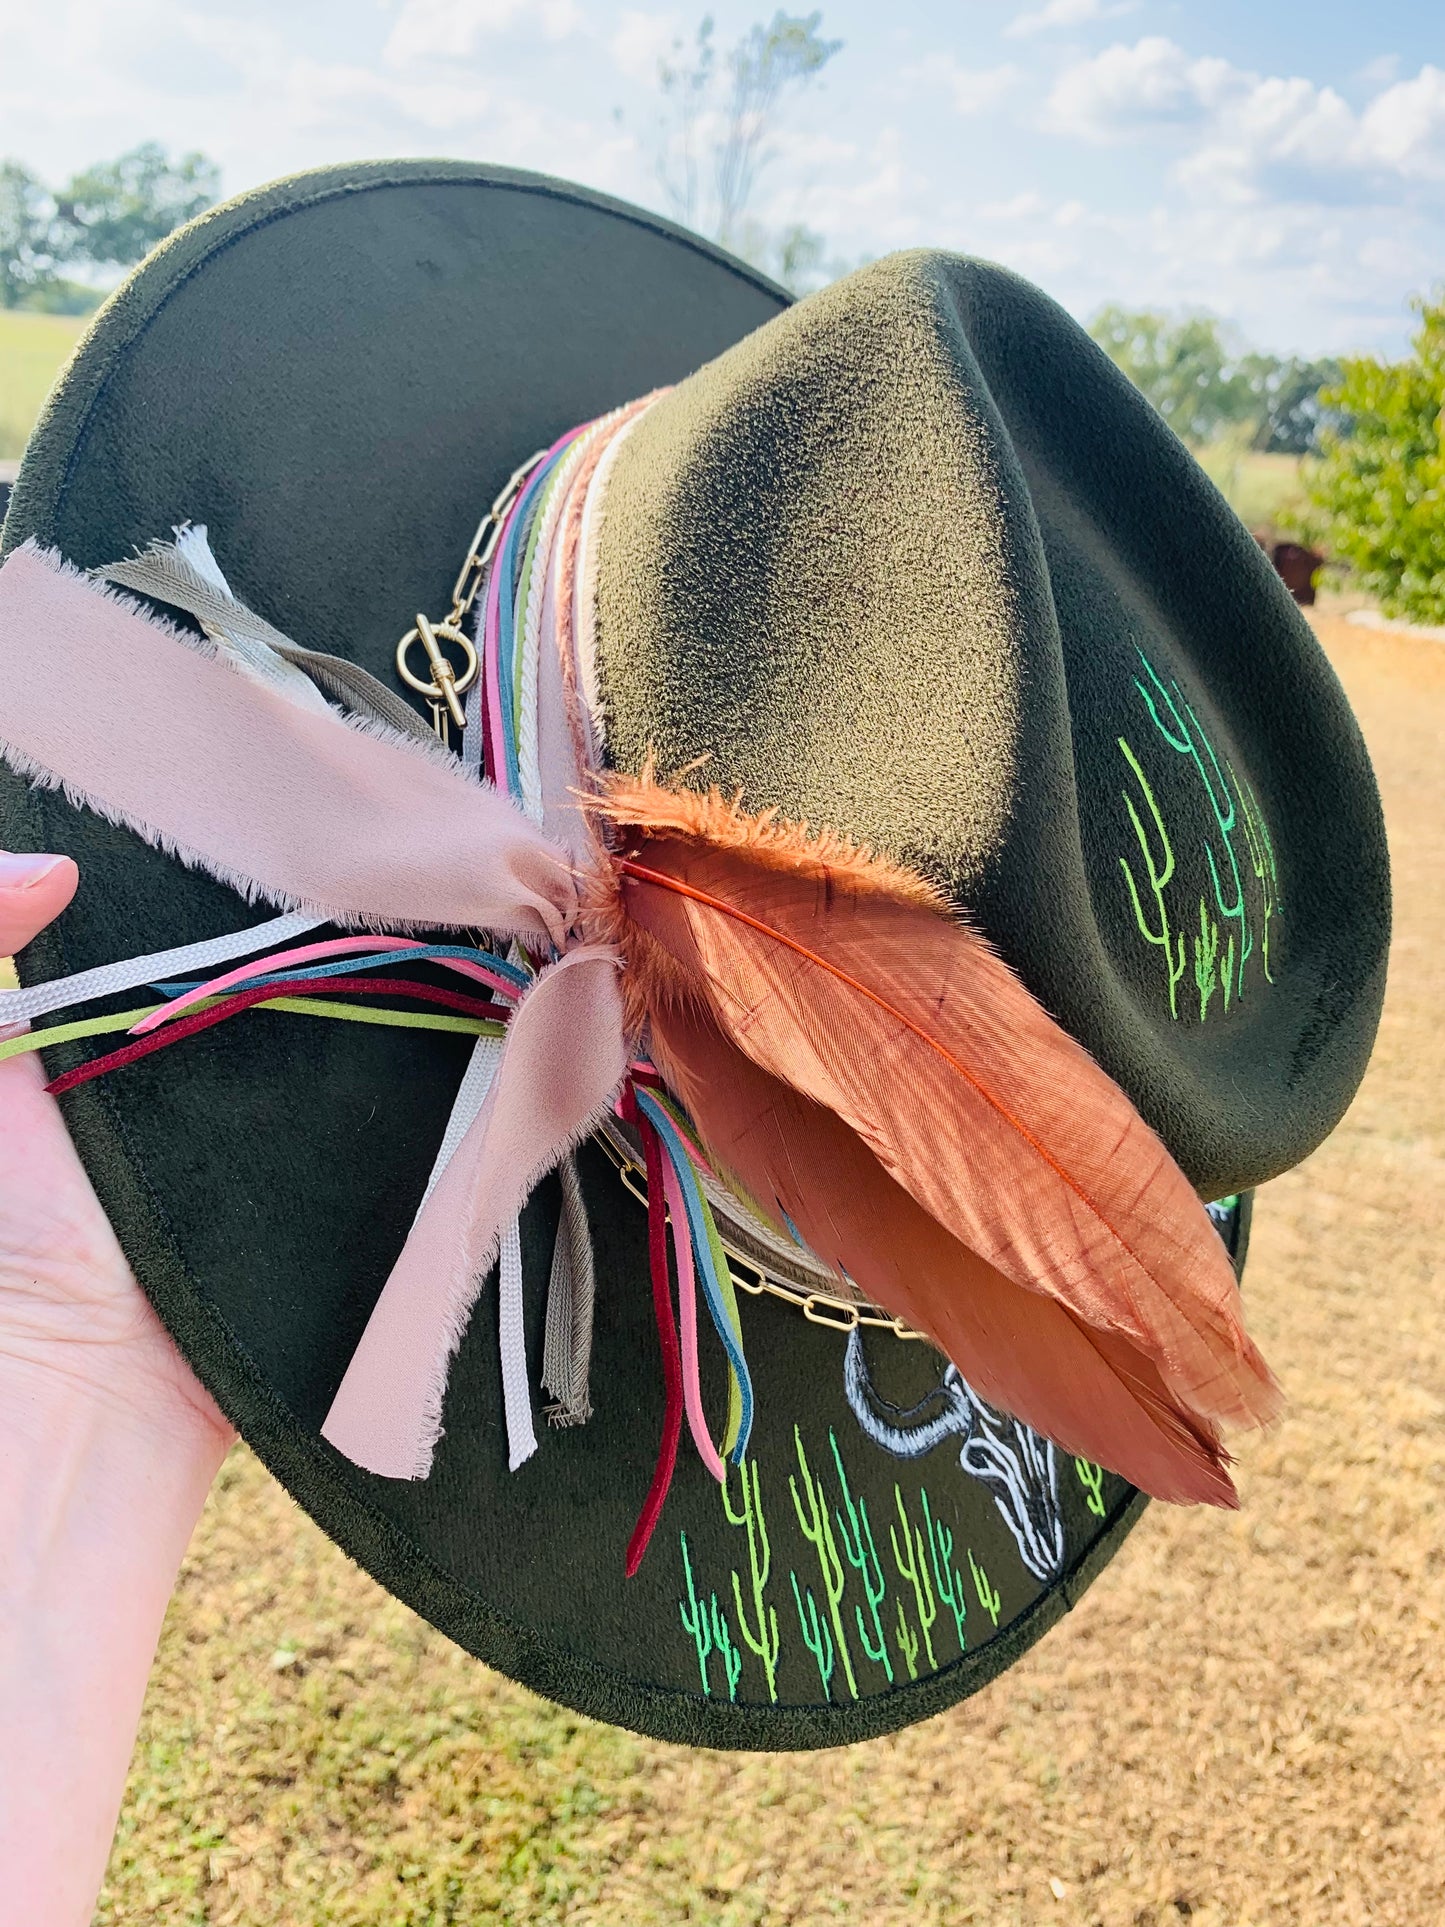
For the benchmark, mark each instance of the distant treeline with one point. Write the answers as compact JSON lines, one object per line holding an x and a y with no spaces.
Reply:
{"x":102,"y":220}
{"x":1204,"y":384}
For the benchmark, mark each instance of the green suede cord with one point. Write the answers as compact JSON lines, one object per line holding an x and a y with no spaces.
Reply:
{"x":298,"y":1006}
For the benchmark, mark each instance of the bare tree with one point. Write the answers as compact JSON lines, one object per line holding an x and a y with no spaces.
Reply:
{"x":717,"y":137}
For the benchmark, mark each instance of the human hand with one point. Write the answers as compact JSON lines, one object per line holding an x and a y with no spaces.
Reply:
{"x":70,"y":1307}
{"x":108,"y":1445}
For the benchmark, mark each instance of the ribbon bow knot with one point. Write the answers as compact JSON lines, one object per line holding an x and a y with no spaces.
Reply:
{"x":354,"y":824}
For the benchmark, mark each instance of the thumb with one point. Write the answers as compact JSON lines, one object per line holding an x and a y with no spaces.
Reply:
{"x":33,"y":892}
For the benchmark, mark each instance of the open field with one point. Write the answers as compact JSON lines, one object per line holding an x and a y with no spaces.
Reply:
{"x":1264,"y":491}
{"x":1242,"y":1725}
{"x":33,"y":348}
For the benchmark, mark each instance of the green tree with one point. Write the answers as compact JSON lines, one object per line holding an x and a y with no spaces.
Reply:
{"x":1289,"y":410}
{"x":115,"y":212}
{"x":718,"y":134}
{"x":1378,"y":488}
{"x":27,"y":256}
{"x":1183,"y":365}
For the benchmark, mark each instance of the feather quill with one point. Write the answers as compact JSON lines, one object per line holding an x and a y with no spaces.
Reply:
{"x":849,"y":983}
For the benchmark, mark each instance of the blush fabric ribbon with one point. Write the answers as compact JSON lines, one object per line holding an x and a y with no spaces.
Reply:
{"x":353,"y":824}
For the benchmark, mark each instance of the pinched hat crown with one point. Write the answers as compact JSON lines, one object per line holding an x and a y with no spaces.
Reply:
{"x":917,"y":562}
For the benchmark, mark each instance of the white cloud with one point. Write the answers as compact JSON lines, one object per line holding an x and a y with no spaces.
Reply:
{"x":641,"y":41}
{"x":1124,"y":89}
{"x":1252,"y":134}
{"x":1404,"y":127}
{"x":457,"y":29}
{"x":973,"y":89}
{"x":1066,"y":13}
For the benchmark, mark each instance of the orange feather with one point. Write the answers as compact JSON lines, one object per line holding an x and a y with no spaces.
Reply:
{"x":1021,"y":1351}
{"x":846,"y":981}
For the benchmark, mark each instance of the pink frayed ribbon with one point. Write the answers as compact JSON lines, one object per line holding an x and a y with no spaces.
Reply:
{"x":305,"y":809}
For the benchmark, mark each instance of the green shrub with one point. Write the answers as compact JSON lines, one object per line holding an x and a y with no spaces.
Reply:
{"x":1378,"y":487}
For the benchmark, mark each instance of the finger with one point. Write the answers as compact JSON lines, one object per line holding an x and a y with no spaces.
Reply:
{"x":33,"y":892}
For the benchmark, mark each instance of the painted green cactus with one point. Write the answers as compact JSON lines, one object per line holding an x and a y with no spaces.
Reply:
{"x":817,"y":1529}
{"x":816,"y":1636}
{"x":761,"y":1637}
{"x":912,"y":1566}
{"x":896,"y":1629}
{"x":947,"y":1579}
{"x":695,"y":1618}
{"x":907,"y":1643}
{"x":862,"y":1554}
{"x":1158,"y":869}
{"x":1227,"y":931}
{"x":988,"y":1596}
{"x":1091,"y":1477}
{"x":723,"y":1645}
{"x":708,"y":1626}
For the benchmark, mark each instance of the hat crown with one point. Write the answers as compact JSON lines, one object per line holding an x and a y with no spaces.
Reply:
{"x":915,"y":562}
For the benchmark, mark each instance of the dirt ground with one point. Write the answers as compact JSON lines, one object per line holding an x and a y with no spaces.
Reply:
{"x":1242,"y":1725}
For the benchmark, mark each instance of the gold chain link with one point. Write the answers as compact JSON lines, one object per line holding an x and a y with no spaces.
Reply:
{"x":818,"y":1307}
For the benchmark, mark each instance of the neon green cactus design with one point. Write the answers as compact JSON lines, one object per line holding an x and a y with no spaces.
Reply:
{"x":1261,"y":860}
{"x":817,"y":1529}
{"x":907,"y":1643}
{"x":722,"y":1640}
{"x":1206,"y":959}
{"x":947,"y":1579}
{"x":816,"y":1637}
{"x":760,"y":1638}
{"x":695,"y":1619}
{"x":1190,"y":738}
{"x":1234,"y":808}
{"x":1091,"y":1477}
{"x":913,"y":1567}
{"x":1158,"y":871}
{"x":987,"y":1595}
{"x":861,"y":1553}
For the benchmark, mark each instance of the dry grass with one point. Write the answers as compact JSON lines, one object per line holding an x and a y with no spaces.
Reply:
{"x":1243,"y":1723}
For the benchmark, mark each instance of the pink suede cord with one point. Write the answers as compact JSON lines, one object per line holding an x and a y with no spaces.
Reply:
{"x":687,"y":1321}
{"x":200,"y":1020}
{"x":667,"y":1340}
{"x":313,"y":953}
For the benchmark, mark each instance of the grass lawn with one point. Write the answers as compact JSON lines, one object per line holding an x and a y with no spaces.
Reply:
{"x":32,"y":349}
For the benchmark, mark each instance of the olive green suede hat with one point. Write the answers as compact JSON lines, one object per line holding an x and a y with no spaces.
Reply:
{"x":909,"y":560}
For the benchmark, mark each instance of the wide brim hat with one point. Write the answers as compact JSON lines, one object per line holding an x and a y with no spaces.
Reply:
{"x":909,"y":561}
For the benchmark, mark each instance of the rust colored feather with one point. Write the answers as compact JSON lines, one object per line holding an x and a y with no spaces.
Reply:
{"x":844,"y":980}
{"x":1093,"y":1395}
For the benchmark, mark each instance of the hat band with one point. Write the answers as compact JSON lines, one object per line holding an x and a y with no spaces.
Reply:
{"x":862,"y":1063}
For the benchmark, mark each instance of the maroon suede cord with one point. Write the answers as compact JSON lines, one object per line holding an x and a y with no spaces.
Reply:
{"x":263,"y":993}
{"x":667,"y":1338}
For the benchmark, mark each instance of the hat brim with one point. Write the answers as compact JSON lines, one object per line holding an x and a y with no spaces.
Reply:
{"x":334,"y":375}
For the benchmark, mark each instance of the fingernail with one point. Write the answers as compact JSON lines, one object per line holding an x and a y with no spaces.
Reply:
{"x":21,"y":872}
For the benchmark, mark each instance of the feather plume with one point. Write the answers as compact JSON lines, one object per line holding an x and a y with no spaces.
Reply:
{"x":1096,"y":1397}
{"x":848,"y":983}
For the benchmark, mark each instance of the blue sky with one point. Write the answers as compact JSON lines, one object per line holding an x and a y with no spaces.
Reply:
{"x":1282,"y":165}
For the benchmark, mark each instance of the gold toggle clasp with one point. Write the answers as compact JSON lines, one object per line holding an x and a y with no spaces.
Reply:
{"x":445,"y":685}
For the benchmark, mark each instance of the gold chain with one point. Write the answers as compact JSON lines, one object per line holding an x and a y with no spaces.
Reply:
{"x":818,"y":1307}
{"x":443,"y":686}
